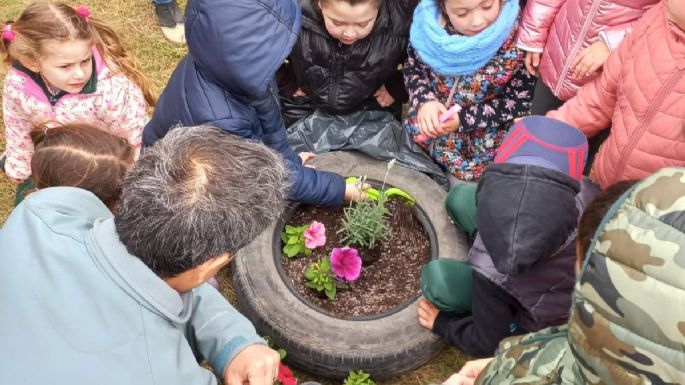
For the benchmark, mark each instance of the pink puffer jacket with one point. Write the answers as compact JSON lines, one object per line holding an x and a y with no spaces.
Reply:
{"x":560,"y":29}
{"x":641,"y":95}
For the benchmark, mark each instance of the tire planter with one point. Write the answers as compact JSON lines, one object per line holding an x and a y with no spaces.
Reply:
{"x":386,"y":345}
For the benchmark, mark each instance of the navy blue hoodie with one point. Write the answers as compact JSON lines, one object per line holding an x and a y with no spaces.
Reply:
{"x":228,"y":80}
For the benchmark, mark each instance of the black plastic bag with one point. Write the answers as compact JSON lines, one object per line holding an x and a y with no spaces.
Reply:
{"x":375,"y":133}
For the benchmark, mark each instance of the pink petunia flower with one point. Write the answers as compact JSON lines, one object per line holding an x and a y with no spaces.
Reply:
{"x":346,"y":263}
{"x":315,"y":235}
{"x":285,"y":375}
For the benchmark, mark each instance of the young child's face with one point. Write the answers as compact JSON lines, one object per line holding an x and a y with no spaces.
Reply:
{"x":349,"y":23}
{"x":676,"y":12}
{"x":65,"y":65}
{"x":470,"y":17}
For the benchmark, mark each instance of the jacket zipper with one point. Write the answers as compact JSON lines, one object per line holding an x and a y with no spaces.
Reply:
{"x":675,"y":77}
{"x":336,"y":70}
{"x":576,"y":47}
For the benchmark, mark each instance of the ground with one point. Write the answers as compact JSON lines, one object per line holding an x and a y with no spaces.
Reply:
{"x":134,"y":21}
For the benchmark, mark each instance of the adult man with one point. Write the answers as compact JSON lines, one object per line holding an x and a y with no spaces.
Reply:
{"x":94,"y":298}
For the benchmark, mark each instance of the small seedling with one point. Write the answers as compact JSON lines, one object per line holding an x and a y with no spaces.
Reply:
{"x":359,"y":377}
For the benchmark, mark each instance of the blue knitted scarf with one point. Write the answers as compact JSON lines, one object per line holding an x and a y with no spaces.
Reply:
{"x":453,"y":55}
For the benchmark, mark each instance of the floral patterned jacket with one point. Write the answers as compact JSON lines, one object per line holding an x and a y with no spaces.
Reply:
{"x":115,"y":104}
{"x":490,"y":100}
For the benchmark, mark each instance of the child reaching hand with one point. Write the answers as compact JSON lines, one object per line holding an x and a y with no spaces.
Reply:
{"x":462,"y":52}
{"x":67,"y":66}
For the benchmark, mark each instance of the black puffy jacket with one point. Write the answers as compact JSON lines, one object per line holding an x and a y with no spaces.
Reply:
{"x":341,"y":78}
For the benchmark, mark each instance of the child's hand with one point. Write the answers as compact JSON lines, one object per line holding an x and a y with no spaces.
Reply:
{"x":429,"y":118}
{"x":299,"y":92}
{"x":355,"y":192}
{"x":450,"y":125}
{"x":383,"y":97}
{"x":305,"y":156}
{"x":427,"y":314}
{"x":590,"y":59}
{"x":533,"y":63}
{"x":468,"y":373}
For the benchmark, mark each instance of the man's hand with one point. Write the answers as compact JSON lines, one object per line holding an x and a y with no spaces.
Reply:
{"x":590,"y":59}
{"x":383,"y":97}
{"x":429,"y":118}
{"x":468,"y":373}
{"x":255,"y":365}
{"x":533,"y":63}
{"x":427,"y":314}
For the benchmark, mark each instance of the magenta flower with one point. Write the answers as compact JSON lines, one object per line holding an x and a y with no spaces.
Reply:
{"x":346,"y":263}
{"x":315,"y":235}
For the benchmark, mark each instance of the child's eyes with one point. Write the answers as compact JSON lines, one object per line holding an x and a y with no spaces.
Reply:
{"x":85,"y":61}
{"x":337,"y":23}
{"x":363,"y":25}
{"x":64,"y":66}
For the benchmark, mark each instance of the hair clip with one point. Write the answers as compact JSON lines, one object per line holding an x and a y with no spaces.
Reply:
{"x":8,"y":34}
{"x":84,"y":12}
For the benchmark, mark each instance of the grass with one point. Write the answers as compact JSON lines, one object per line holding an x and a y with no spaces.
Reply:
{"x":135,"y":23}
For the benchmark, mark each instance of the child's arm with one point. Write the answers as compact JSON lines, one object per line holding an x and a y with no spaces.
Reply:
{"x":536,"y":21}
{"x":591,"y":109}
{"x":417,"y":80}
{"x":123,"y":110}
{"x":499,"y":112}
{"x":18,"y":144}
{"x":395,"y":87}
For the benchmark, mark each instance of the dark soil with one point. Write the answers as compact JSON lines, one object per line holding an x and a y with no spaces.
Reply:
{"x":391,"y":280}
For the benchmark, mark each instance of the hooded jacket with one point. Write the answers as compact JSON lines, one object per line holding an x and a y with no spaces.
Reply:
{"x":79,"y":309}
{"x":626,"y":320}
{"x":523,"y":257}
{"x":640,"y":95}
{"x":112,"y":102}
{"x":227,"y":80}
{"x":561,"y":29}
{"x":341,"y":78}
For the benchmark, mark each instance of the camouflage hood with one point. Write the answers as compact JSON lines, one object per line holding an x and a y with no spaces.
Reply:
{"x":627,"y":322}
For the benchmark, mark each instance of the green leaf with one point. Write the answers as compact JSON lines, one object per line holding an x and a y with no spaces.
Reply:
{"x":330,"y":293}
{"x":307,"y":251}
{"x":328,"y":285}
{"x":310,"y":273}
{"x":341,"y":286}
{"x":284,"y":237}
{"x":313,"y":286}
{"x":291,"y":250}
{"x":292,"y":240}
{"x":290,"y":229}
{"x":326,"y":264}
{"x":282,"y":353}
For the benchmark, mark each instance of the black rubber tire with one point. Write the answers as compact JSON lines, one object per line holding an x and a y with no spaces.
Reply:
{"x":385,"y":347}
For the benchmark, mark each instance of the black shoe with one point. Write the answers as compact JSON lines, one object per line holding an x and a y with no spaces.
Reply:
{"x":168,"y":14}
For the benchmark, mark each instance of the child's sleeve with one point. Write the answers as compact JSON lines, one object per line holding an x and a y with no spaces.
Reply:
{"x":499,"y":112}
{"x":395,"y":87}
{"x":591,"y":109}
{"x":123,"y":110}
{"x":417,"y":80}
{"x":19,"y":147}
{"x":537,"y":19}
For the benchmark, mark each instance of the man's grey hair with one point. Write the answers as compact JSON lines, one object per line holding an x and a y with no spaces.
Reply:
{"x":196,"y":194}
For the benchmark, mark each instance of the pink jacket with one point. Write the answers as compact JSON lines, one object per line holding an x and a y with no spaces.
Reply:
{"x":641,"y":96}
{"x":560,"y":29}
{"x":117,"y":105}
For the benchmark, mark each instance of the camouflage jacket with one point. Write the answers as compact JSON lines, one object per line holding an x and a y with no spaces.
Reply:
{"x":627,"y":323}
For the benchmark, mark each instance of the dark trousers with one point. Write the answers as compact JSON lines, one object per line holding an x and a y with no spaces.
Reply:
{"x":543,"y":99}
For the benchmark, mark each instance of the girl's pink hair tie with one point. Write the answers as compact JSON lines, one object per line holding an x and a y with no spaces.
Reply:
{"x":84,"y":12}
{"x":8,"y":34}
